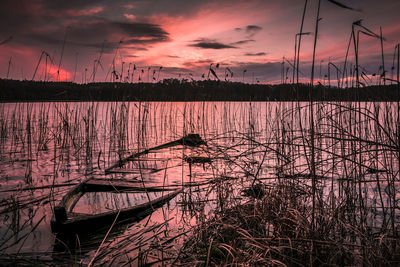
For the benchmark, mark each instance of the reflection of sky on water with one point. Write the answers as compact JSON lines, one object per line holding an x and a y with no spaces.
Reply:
{"x":70,"y":142}
{"x":99,"y":202}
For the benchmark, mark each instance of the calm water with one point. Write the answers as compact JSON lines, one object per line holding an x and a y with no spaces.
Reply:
{"x":44,"y":144}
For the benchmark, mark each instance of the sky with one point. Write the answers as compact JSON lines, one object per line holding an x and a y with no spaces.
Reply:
{"x":151,"y":40}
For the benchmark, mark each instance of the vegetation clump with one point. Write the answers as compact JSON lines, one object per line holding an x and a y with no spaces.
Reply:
{"x":277,"y":230}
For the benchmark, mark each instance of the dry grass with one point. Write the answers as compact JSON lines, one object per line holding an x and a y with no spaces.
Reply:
{"x":277,"y":230}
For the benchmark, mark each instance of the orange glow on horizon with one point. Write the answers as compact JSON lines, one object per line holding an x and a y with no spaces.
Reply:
{"x":52,"y":74}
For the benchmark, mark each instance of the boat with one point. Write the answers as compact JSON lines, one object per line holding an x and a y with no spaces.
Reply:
{"x":67,"y":221}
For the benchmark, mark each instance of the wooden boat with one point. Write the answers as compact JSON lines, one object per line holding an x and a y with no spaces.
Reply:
{"x":65,"y":220}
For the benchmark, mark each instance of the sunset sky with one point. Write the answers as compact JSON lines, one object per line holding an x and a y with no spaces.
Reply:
{"x":184,"y":37}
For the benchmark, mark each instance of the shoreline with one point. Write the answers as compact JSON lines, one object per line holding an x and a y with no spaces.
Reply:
{"x":177,"y":91}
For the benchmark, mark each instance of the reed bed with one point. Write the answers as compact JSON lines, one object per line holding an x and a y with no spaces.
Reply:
{"x":251,"y":203}
{"x":276,"y":230}
{"x":343,"y":214}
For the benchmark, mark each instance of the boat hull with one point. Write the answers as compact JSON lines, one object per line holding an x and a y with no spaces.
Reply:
{"x":65,"y":220}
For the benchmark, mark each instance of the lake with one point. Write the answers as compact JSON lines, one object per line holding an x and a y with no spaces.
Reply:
{"x":346,"y":154}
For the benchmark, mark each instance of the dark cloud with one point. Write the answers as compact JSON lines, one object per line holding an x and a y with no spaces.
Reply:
{"x":139,"y":48}
{"x":11,"y":14}
{"x":210,"y":44}
{"x":70,"y":4}
{"x":109,"y":46}
{"x":93,"y":34}
{"x":251,"y":30}
{"x":204,"y":61}
{"x":140,"y":29}
{"x":129,"y":32}
{"x":45,"y":21}
{"x":255,"y":54}
{"x":190,"y":65}
{"x":184,"y":8}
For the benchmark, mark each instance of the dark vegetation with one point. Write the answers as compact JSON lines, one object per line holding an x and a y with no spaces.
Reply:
{"x":177,"y":90}
{"x":275,"y":231}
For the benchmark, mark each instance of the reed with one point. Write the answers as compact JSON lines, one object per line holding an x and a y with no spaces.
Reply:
{"x":9,"y":67}
{"x":300,"y":35}
{"x":283,"y":149}
{"x":62,"y":54}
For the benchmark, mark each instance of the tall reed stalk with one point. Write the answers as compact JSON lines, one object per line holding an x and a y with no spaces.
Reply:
{"x":300,"y":35}
{"x":311,"y":111}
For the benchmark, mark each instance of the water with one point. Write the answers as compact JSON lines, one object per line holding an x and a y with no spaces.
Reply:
{"x":45,"y":144}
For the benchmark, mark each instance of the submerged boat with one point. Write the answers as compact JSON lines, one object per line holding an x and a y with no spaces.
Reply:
{"x":66,"y":220}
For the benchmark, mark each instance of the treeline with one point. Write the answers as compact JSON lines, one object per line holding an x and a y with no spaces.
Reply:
{"x":177,"y":90}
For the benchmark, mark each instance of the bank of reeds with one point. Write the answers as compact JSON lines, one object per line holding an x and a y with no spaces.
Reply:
{"x":251,"y":145}
{"x":277,"y":230}
{"x":354,"y":218}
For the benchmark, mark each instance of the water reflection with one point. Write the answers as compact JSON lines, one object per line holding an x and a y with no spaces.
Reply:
{"x":100,"y":202}
{"x":46,"y":144}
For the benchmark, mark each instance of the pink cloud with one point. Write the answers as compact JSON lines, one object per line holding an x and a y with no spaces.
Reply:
{"x":130,"y":17}
{"x":208,"y":22}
